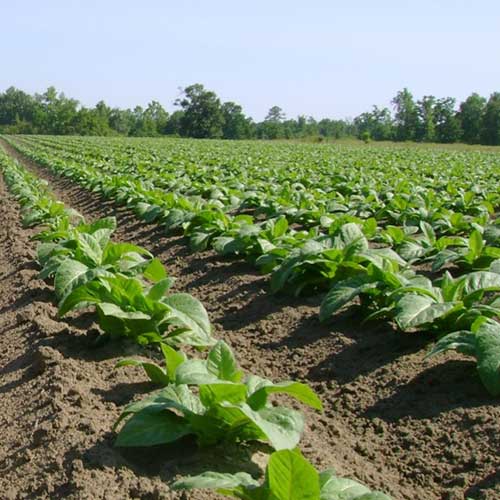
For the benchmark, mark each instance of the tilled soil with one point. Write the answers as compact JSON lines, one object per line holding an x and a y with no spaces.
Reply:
{"x":417,"y":430}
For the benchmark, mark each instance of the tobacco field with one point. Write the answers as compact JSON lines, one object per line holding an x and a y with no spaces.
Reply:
{"x":264,"y":320}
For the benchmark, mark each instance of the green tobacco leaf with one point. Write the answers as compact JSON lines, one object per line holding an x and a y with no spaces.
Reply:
{"x":488,"y":355}
{"x":177,"y":397}
{"x":173,"y":359}
{"x":216,"y":480}
{"x":280,"y":227}
{"x":428,"y":232}
{"x":199,"y":241}
{"x":158,"y":290}
{"x":480,"y":280}
{"x":115,"y":251}
{"x":339,"y":488}
{"x":475,"y":244}
{"x":462,"y":341}
{"x":115,"y":311}
{"x":298,"y":390}
{"x":188,"y":312}
{"x":194,"y":372}
{"x":154,"y":372}
{"x":414,"y":310}
{"x":155,"y":271}
{"x":90,"y":293}
{"x":67,"y":275}
{"x":282,"y":426}
{"x":342,"y":293}
{"x":218,"y":392}
{"x":411,"y":250}
{"x":44,"y":251}
{"x":104,"y":223}
{"x":90,"y":248}
{"x":149,"y":429}
{"x":290,"y":476}
{"x":351,"y":233}
{"x":222,"y":363}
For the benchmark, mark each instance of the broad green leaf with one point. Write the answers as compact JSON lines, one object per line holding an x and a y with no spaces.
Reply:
{"x":68,"y":273}
{"x":115,"y":251}
{"x":90,"y":293}
{"x":298,"y":390}
{"x":188,"y":312}
{"x":222,"y":363}
{"x":154,"y":372}
{"x":216,"y":480}
{"x":488,"y":355}
{"x":149,"y":429}
{"x":414,"y":310}
{"x":115,"y":311}
{"x":480,"y":280}
{"x":90,"y":248}
{"x":339,"y":488}
{"x":342,"y":293}
{"x":155,"y":271}
{"x":428,"y":232}
{"x":173,"y":359}
{"x":194,"y":372}
{"x":218,"y":392}
{"x":282,"y":426}
{"x":290,"y":476}
{"x":462,"y":341}
{"x":158,"y":290}
{"x":475,"y":244}
{"x":280,"y":227}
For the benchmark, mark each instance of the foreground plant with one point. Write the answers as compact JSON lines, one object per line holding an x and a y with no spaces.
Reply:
{"x":127,"y":308}
{"x":86,"y":252}
{"x":289,"y":476}
{"x":225,"y":407}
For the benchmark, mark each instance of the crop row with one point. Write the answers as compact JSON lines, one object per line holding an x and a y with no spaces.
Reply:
{"x":207,"y":397}
{"x":352,"y":233}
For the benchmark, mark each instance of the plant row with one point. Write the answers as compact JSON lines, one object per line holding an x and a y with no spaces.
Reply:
{"x":348,"y":257}
{"x":208,"y":396}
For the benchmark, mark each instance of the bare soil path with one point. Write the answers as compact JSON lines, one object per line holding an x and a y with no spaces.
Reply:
{"x":414,"y":430}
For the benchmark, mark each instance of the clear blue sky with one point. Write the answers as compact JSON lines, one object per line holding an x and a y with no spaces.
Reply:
{"x":314,"y":57}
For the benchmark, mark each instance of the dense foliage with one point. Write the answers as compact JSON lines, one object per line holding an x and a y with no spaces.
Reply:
{"x":201,"y":114}
{"x":227,"y":405}
{"x":355,"y":224}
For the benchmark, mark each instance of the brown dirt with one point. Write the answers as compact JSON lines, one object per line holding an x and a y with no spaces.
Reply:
{"x":415,"y":430}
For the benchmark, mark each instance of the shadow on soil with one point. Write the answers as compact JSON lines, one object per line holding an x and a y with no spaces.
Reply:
{"x":441,"y":388}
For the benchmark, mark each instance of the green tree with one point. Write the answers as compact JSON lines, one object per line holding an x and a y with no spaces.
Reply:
{"x":121,"y":120}
{"x":55,"y":113}
{"x":16,"y":107}
{"x":236,"y":124}
{"x":203,"y":116}
{"x":174,"y":123}
{"x":334,"y":128}
{"x":490,"y":131}
{"x":406,"y":117}
{"x":377,"y":124}
{"x":273,"y":125}
{"x":447,"y":121}
{"x":426,"y":127}
{"x":156,"y":117}
{"x":471,"y":117}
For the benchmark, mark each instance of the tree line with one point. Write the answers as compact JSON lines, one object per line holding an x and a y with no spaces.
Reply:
{"x":431,"y":119}
{"x":201,"y":114}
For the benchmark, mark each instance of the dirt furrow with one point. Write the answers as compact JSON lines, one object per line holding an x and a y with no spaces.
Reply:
{"x":414,"y":430}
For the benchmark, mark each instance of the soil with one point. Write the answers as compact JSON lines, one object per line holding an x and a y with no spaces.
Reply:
{"x":414,"y":429}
